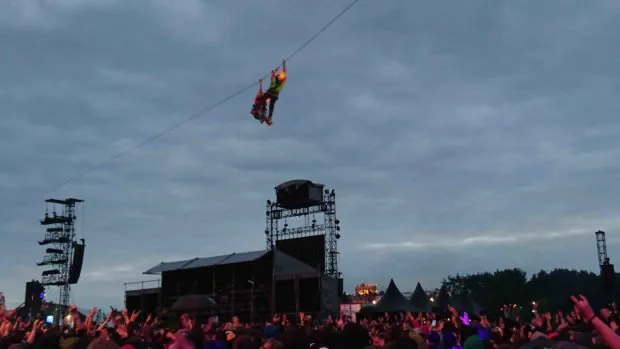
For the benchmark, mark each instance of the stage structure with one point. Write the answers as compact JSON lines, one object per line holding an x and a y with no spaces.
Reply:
{"x":252,"y":285}
{"x":35,"y":294}
{"x":65,"y":255}
{"x":316,"y":241}
{"x":143,"y":296}
{"x":608,"y":272}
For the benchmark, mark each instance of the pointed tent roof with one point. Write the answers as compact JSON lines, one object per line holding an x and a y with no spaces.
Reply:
{"x":393,"y":300}
{"x":419,"y":299}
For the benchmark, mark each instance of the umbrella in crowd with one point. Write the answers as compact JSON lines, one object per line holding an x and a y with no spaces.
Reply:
{"x":194,"y":302}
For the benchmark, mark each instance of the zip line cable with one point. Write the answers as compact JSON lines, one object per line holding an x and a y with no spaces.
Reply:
{"x":329,"y":24}
{"x":204,"y":110}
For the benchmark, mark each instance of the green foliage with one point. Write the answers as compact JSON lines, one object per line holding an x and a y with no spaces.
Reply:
{"x":551,"y":290}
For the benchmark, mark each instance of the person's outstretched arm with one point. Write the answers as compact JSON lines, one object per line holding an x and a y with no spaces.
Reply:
{"x":583,"y":307}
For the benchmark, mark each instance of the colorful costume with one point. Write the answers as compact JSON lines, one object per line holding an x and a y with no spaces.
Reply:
{"x":259,"y":109}
{"x":278,"y":80}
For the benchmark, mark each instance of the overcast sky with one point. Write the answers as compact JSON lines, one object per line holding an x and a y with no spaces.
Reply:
{"x":460,"y":136}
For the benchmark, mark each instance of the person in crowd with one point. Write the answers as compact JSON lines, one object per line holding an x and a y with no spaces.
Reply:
{"x":582,"y":328}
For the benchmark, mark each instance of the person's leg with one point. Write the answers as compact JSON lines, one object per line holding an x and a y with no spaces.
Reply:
{"x":271,"y":106}
{"x":263,"y":110}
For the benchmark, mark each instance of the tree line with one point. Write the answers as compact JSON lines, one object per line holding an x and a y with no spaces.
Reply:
{"x":511,"y":287}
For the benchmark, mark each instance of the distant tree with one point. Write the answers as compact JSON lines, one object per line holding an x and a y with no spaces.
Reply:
{"x":551,"y":290}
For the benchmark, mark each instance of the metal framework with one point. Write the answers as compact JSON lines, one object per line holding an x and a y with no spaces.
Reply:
{"x":601,"y":247}
{"x":329,"y":227}
{"x":138,"y":288}
{"x":61,"y":235}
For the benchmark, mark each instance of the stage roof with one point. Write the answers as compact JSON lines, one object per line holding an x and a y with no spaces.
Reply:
{"x":207,"y":261}
{"x":296,"y":182}
{"x":284,"y":264}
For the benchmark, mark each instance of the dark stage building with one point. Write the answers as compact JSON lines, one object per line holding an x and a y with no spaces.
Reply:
{"x":251,"y":285}
{"x":143,"y":296}
{"x":307,"y":249}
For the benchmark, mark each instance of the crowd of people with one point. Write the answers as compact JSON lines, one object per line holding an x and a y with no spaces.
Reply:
{"x":450,"y":330}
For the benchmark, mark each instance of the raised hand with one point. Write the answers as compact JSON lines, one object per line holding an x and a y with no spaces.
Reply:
{"x":582,"y":306}
{"x":465,"y":319}
{"x":134,"y":316}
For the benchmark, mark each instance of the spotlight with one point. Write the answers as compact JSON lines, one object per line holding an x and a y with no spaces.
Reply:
{"x":268,"y":202}
{"x":267,"y":213}
{"x":337,"y":236}
{"x":266,"y":232}
{"x":337,"y":228}
{"x":337,"y":221}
